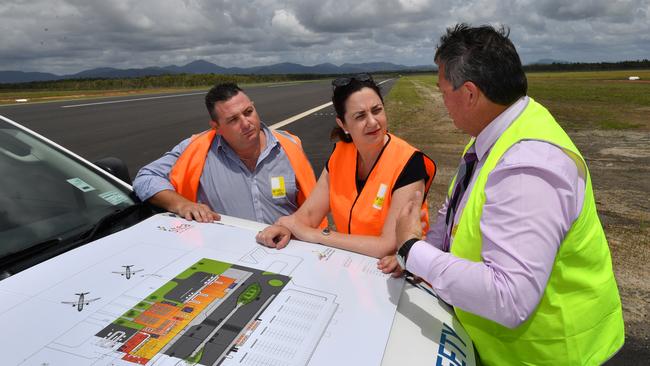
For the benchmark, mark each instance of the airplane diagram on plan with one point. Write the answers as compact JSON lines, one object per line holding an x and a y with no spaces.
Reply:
{"x":79,"y":304}
{"x":128,"y":272}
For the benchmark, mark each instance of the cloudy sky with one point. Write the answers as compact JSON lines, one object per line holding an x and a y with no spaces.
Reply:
{"x":68,"y":36}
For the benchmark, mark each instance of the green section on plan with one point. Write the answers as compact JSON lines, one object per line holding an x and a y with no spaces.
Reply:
{"x":159,"y":294}
{"x":142,"y":306}
{"x":276,"y":283}
{"x":196,"y":358}
{"x":251,"y":293}
{"x":127,"y":323}
{"x":131,"y":314}
{"x":205,"y":265}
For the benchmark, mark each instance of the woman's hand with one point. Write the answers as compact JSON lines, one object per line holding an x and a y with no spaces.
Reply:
{"x":299,"y":230}
{"x":274,"y":236}
{"x":389,"y":264}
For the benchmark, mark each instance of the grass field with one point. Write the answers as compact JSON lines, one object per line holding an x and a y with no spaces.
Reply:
{"x":606,"y":100}
{"x":608,"y":118}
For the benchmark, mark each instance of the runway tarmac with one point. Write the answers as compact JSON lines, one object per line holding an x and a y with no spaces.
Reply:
{"x":140,"y":129}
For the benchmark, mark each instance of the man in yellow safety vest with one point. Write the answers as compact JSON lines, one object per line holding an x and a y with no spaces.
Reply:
{"x":518,"y":248}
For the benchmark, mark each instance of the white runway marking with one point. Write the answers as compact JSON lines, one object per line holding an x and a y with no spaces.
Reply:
{"x":306,"y":113}
{"x":299,"y":116}
{"x":130,"y":100}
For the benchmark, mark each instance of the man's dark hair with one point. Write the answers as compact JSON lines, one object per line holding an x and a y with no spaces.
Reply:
{"x":341,"y":94}
{"x":220,"y":93}
{"x":485,"y":56}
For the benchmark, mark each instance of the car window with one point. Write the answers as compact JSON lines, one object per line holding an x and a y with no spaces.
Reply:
{"x":46,"y":194}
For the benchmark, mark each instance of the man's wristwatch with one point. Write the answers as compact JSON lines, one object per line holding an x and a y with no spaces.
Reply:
{"x":403,"y":252}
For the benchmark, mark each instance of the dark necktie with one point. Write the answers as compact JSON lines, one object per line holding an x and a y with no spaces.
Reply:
{"x":463,"y":178}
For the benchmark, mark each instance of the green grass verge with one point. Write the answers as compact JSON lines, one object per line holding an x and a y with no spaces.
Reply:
{"x":403,"y":92}
{"x":410,"y":110}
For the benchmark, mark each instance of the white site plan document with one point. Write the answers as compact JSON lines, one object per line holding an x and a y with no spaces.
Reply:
{"x":173,"y":292}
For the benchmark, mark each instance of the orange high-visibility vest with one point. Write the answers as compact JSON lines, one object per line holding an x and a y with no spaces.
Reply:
{"x":364,"y":213}
{"x":186,"y":172}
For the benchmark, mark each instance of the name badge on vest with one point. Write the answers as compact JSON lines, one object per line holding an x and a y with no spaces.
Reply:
{"x":378,"y":203}
{"x":278,"y":189}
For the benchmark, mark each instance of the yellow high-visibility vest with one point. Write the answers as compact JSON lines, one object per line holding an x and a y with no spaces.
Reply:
{"x":579,"y":319}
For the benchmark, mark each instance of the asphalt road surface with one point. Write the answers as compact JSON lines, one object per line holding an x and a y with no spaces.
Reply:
{"x":140,"y":129}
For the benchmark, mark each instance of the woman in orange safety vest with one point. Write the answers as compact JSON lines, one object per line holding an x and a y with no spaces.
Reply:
{"x":369,"y":177}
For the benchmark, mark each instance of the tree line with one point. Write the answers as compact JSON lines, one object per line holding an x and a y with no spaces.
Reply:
{"x":590,"y":66}
{"x":153,"y":82}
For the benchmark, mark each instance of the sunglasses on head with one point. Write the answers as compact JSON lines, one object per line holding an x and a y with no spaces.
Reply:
{"x":347,"y":80}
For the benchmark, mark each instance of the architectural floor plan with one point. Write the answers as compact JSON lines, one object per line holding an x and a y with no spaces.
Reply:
{"x":199,"y":316}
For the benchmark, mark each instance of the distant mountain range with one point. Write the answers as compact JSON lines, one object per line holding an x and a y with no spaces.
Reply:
{"x":205,"y":67}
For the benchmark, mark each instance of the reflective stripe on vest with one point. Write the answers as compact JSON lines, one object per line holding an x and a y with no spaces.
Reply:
{"x":579,"y":318}
{"x":186,"y":172}
{"x":364,"y":213}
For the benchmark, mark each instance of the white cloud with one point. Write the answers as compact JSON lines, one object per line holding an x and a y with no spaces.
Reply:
{"x":285,"y":22}
{"x":67,"y":36}
{"x":414,"y":5}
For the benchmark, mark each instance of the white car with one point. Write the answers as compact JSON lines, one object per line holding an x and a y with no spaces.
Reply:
{"x":89,"y":276}
{"x":52,"y":200}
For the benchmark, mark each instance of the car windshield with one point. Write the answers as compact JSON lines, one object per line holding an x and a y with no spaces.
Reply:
{"x":46,"y":194}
